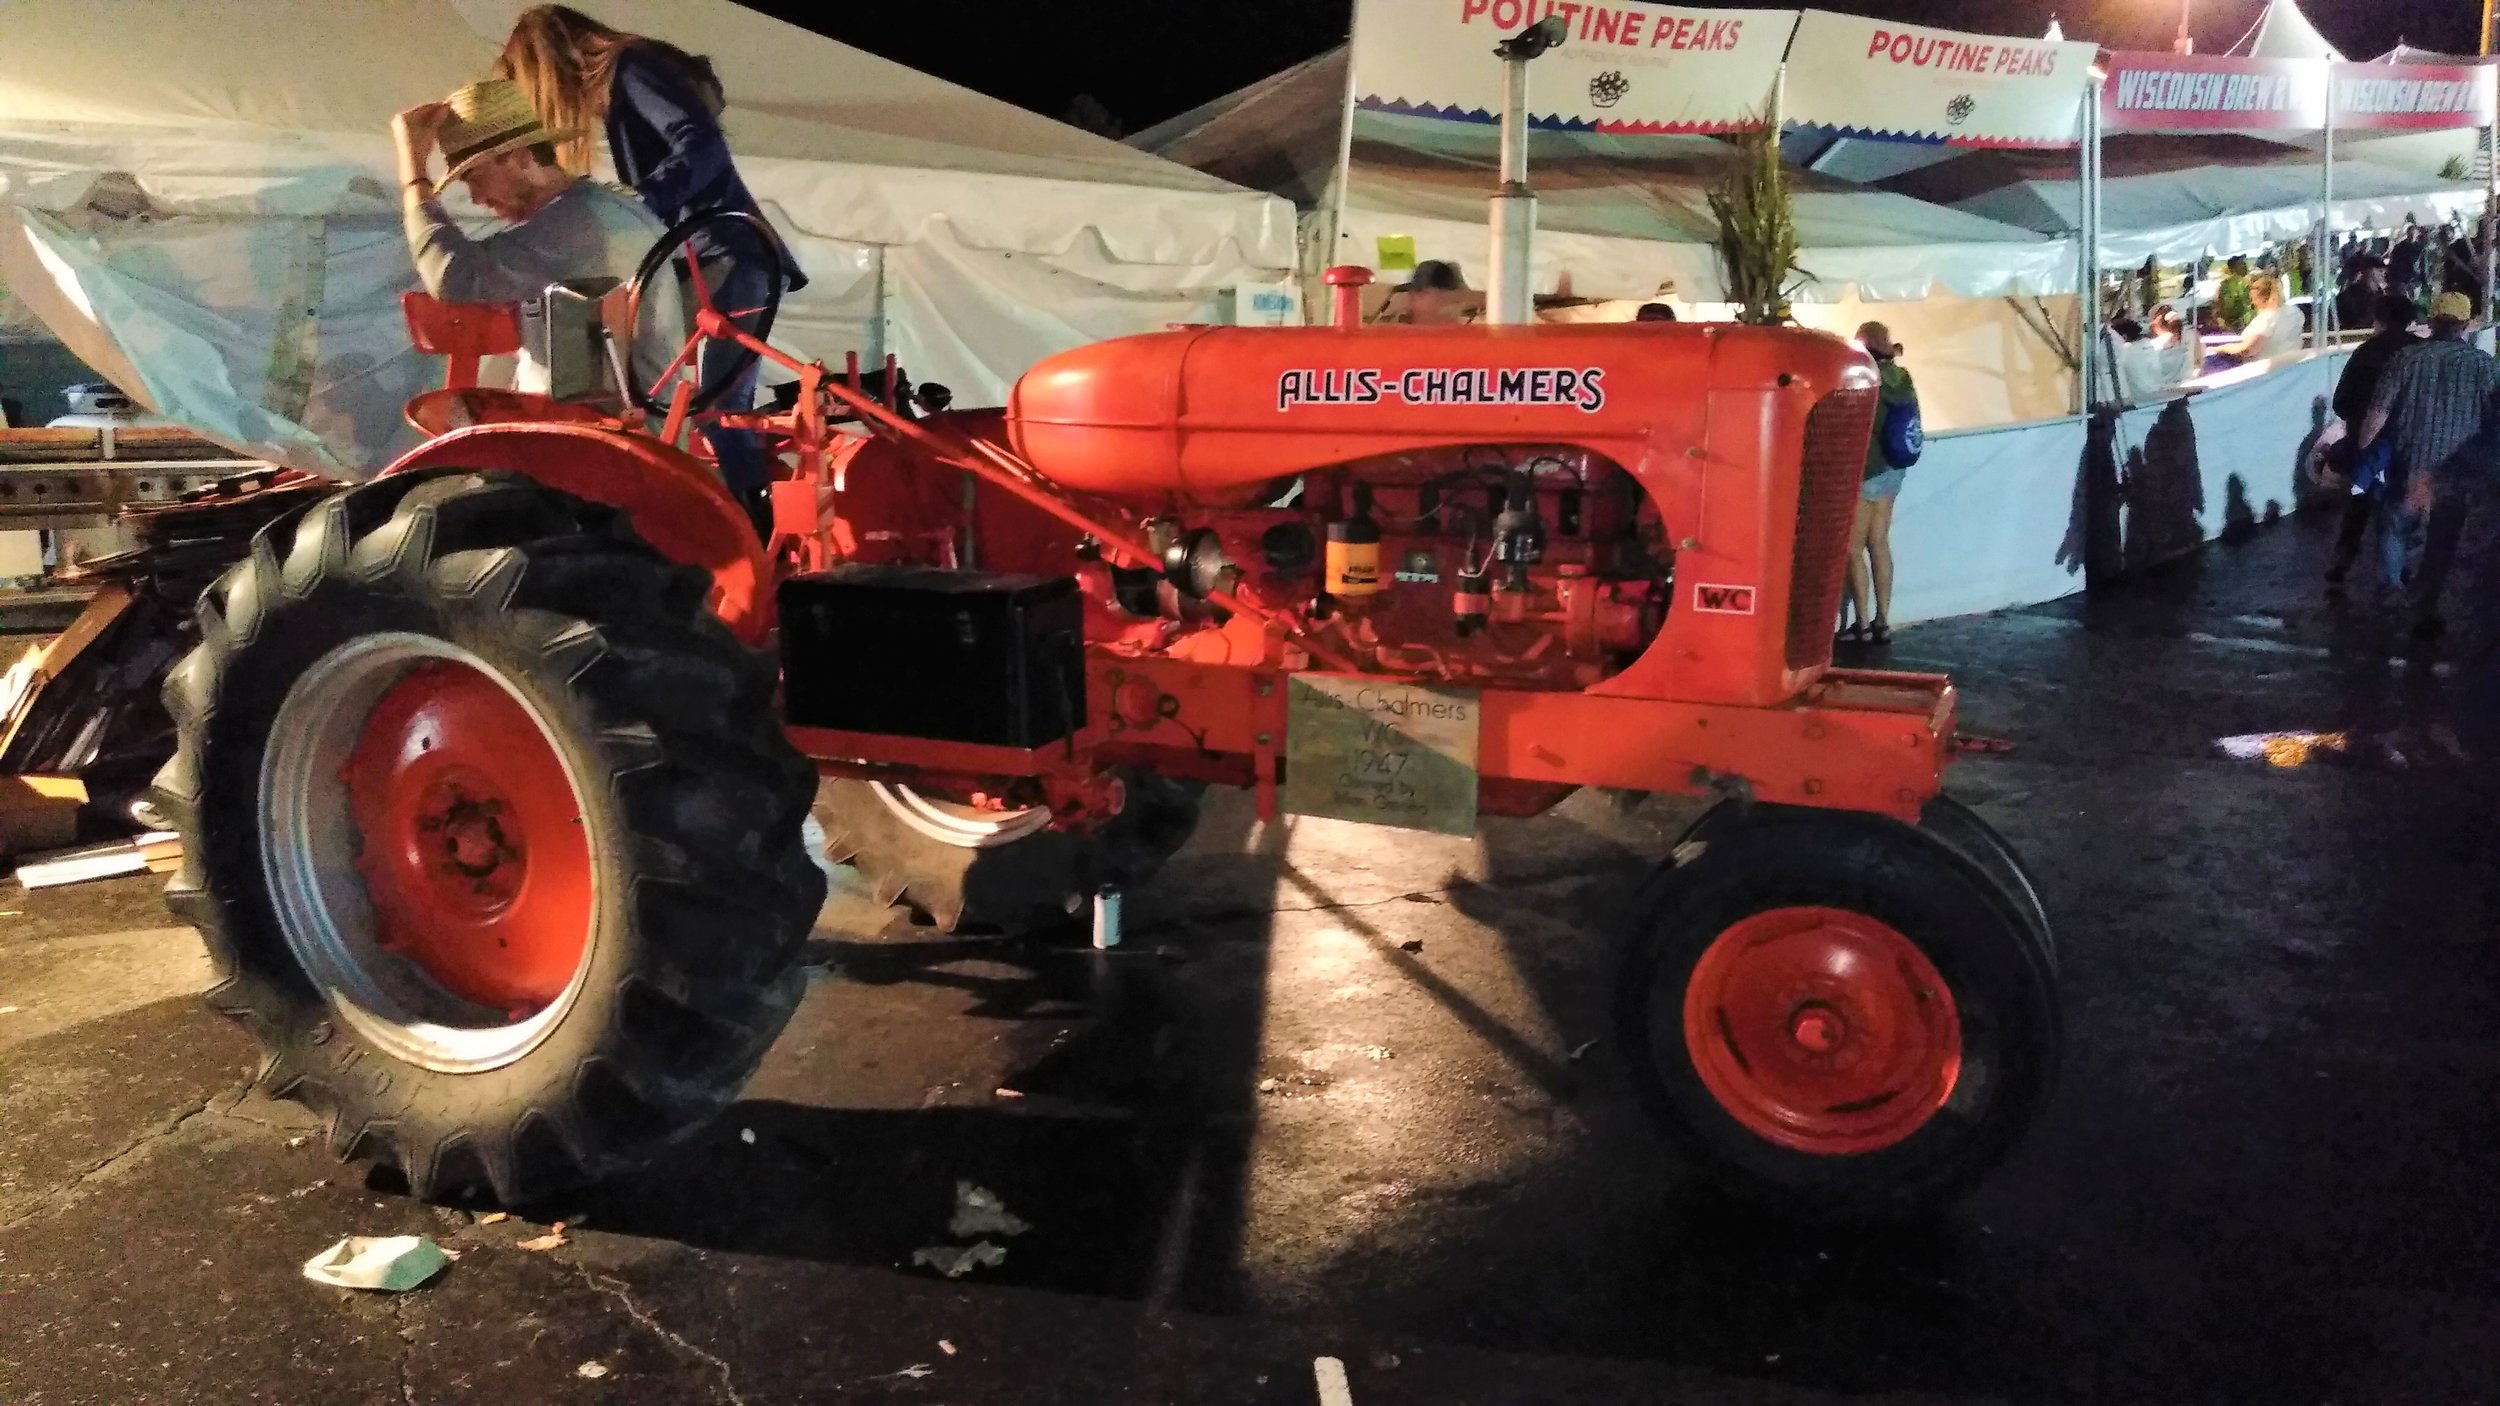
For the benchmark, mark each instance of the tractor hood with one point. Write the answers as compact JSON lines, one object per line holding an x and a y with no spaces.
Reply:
{"x":1216,"y":414}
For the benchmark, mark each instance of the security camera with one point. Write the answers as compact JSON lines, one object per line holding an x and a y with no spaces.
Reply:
{"x":1535,"y":39}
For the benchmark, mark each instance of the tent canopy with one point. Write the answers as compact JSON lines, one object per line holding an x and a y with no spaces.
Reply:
{"x":2283,"y":32}
{"x":2177,"y":198}
{"x":1618,"y":215}
{"x":851,"y":146}
{"x":200,"y":201}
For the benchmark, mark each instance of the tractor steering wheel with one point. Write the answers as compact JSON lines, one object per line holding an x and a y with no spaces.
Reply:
{"x":761,"y":328}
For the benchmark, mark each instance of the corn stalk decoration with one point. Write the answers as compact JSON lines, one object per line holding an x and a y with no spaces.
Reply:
{"x":1757,"y":229}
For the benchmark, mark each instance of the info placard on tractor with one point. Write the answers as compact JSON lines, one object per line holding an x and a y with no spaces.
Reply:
{"x":1391,"y":754}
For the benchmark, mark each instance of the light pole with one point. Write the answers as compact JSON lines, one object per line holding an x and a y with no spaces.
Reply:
{"x":2186,"y":43}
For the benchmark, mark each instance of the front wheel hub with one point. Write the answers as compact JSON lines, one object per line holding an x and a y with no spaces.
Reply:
{"x":1822,"y":1030}
{"x":427,"y":850}
{"x":473,"y":848}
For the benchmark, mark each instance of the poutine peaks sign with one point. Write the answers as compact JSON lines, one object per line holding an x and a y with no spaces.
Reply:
{"x":1623,"y":66}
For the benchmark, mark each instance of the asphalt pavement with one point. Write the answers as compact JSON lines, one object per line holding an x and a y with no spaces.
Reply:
{"x":1348,"y":1093}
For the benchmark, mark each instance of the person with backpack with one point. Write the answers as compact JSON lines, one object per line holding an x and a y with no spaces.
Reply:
{"x":1895,"y":445}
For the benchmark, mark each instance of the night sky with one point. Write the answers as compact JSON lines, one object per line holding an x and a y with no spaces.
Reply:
{"x":1145,"y":60}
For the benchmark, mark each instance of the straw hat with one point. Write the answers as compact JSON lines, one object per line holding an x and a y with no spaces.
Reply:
{"x":2452,"y":307}
{"x":489,"y":118}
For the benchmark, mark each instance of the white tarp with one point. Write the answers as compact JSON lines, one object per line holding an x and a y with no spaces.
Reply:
{"x":144,"y":143}
{"x":2003,"y":517}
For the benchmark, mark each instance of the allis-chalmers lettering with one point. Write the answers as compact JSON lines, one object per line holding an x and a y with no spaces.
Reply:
{"x":1581,"y":388}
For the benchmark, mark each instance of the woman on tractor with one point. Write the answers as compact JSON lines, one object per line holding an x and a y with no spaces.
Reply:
{"x":656,"y":109}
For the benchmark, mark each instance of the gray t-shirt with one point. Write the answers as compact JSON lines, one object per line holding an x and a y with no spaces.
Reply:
{"x":586,"y":231}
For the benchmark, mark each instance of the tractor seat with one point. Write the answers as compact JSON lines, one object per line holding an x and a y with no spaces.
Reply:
{"x":440,"y":412}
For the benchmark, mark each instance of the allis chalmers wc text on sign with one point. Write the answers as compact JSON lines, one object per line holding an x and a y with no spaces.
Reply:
{"x":1391,"y":754}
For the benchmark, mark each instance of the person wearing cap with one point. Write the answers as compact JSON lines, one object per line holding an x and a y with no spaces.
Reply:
{"x":1891,"y":447}
{"x":1438,"y":296}
{"x":2435,"y":400}
{"x":2365,"y":282}
{"x":560,"y":226}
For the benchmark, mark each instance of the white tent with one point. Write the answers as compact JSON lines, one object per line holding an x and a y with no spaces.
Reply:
{"x":199,"y":200}
{"x":1627,"y":217}
{"x":2283,"y":32}
{"x":2180,"y":198}
{"x":1617,"y":216}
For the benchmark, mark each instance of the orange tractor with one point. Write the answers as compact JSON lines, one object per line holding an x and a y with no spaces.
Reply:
{"x":495,"y":770}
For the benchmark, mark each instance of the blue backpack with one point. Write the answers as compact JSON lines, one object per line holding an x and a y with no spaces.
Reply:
{"x":1900,"y":435}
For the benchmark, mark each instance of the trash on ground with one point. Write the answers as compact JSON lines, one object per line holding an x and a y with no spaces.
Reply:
{"x":978,"y":1211}
{"x":747,"y":1136}
{"x":493,"y":1217}
{"x":946,"y":1347}
{"x":391,"y":1263}
{"x":915,"y":1371}
{"x":1412,"y":944}
{"x":77,"y":866}
{"x":39,"y":812}
{"x":298,"y":1140}
{"x":1330,"y":1376}
{"x":552,"y":1240}
{"x":1580,"y":1049}
{"x":956,"y":1261}
{"x":1003,"y":1091}
{"x":593,"y":1370}
{"x":10,"y":1010}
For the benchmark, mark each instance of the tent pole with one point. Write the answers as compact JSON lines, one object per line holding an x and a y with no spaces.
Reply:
{"x":877,"y":340}
{"x":2087,"y":227}
{"x":1332,"y":229}
{"x":2322,"y":307}
{"x":2491,"y":185}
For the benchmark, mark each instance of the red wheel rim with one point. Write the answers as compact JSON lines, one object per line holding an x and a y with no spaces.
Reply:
{"x":1822,"y":1030}
{"x":474,"y":854}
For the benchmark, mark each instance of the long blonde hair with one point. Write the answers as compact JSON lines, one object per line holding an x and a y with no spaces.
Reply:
{"x":565,"y":61}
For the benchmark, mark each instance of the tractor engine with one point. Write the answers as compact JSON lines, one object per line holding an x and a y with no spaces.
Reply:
{"x":1481,"y":565}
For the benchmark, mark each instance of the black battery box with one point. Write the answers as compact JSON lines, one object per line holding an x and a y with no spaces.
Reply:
{"x":916,"y":651}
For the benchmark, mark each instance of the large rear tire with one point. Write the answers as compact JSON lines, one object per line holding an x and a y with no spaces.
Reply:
{"x":490,"y":831}
{"x":958,"y":867}
{"x":1837,"y":1016}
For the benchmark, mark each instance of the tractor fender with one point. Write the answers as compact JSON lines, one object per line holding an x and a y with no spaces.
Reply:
{"x":678,"y":505}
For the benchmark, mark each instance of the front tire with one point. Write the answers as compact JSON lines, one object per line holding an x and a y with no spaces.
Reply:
{"x":1835,"y":1015}
{"x":490,"y":831}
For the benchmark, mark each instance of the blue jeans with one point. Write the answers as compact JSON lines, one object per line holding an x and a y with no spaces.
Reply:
{"x":743,"y":466}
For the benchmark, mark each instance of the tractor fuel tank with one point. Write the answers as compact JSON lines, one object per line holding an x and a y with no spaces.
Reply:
{"x":1219,"y":415}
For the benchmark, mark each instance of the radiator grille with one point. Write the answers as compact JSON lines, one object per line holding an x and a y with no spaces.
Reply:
{"x":1837,"y":432}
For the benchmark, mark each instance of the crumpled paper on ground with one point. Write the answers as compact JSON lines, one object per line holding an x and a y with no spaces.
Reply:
{"x":978,"y":1211}
{"x":956,"y":1261}
{"x":391,"y":1263}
